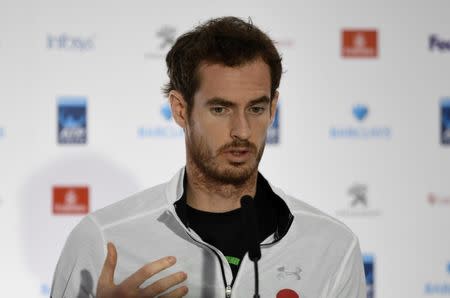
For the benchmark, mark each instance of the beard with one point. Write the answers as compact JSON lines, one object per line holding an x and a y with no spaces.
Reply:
{"x":220,"y":170}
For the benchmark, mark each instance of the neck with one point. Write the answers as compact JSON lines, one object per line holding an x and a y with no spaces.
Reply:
{"x":206,"y":194}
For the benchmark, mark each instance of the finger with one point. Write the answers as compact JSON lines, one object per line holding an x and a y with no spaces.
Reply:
{"x":109,"y":266}
{"x":164,"y":284}
{"x":178,"y":292}
{"x":147,"y":271}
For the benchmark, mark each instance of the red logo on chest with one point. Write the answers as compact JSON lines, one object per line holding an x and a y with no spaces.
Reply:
{"x":287,"y":293}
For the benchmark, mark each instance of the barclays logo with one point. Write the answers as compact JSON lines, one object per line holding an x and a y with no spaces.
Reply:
{"x":166,"y":111}
{"x":360,"y":112}
{"x":439,"y":288}
{"x":439,"y":44}
{"x":71,"y":43}
{"x":164,"y":129}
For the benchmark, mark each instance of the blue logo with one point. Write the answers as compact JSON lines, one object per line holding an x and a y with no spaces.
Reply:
{"x":445,"y":121}
{"x":166,"y":111}
{"x":360,"y":113}
{"x":72,"y":120}
{"x":67,"y":42}
{"x":369,"y":272}
{"x":273,"y":133}
{"x":45,"y":290}
{"x":438,"y":288}
{"x":436,"y":43}
{"x":163,"y":129}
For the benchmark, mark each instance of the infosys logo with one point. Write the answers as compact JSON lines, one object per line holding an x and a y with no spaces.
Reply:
{"x":65,"y":41}
{"x":438,"y":44}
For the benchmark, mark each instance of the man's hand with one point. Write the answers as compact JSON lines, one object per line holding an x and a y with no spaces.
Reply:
{"x":130,"y":287}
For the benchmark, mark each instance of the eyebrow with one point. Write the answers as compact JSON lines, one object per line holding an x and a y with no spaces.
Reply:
{"x":226,"y":103}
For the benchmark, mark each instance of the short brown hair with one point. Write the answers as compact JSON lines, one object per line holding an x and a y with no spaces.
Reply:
{"x":229,"y":41}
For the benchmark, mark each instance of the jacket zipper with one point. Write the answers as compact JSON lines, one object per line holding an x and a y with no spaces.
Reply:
{"x":222,"y":269}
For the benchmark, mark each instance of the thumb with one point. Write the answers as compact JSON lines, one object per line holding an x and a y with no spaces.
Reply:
{"x":107,"y":275}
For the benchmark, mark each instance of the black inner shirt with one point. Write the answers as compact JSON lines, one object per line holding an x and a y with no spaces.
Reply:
{"x":224,"y":230}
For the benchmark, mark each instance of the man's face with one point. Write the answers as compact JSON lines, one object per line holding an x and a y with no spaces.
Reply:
{"x":227,"y":126}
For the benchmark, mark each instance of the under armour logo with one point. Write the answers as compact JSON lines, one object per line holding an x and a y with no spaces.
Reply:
{"x":284,"y":272}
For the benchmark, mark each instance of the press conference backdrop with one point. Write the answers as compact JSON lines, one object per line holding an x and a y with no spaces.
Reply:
{"x":362,"y":129}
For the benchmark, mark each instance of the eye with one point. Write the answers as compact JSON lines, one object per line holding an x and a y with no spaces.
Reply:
{"x":257,"y":110}
{"x":218,"y":110}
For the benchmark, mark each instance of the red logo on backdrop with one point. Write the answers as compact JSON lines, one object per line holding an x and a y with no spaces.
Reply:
{"x":287,"y":293}
{"x":360,"y":43}
{"x":70,"y":200}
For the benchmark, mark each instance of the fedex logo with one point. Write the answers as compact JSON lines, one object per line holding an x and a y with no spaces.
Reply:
{"x":439,"y":44}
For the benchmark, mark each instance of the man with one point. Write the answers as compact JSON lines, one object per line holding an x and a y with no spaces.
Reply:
{"x":186,"y":237}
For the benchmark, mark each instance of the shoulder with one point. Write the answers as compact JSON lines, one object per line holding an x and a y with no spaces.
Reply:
{"x":143,"y":203}
{"x":310,"y":219}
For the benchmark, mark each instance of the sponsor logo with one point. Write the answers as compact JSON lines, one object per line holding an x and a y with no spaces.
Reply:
{"x":166,"y":36}
{"x":360,"y":131}
{"x":369,"y":271}
{"x":273,"y":133}
{"x":435,"y":43}
{"x":164,"y":128}
{"x":287,"y":272}
{"x":434,"y":199}
{"x":439,"y":288}
{"x":70,"y":200}
{"x":2,"y":132}
{"x":68,"y":42}
{"x":359,"y":43}
{"x":287,"y":293}
{"x":72,"y":120}
{"x":445,"y":121}
{"x":359,"y":203}
{"x":45,"y":290}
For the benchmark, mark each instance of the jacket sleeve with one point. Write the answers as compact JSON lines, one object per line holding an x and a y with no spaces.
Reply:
{"x":80,"y":263}
{"x":350,"y":280}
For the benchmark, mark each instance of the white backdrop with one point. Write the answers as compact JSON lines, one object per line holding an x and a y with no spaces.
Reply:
{"x":352,"y":130}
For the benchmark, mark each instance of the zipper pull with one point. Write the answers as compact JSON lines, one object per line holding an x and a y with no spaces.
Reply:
{"x":228,"y":292}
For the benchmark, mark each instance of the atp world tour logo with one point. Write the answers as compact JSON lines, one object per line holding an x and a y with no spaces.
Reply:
{"x":72,"y":122}
{"x":273,"y":133}
{"x":445,"y":121}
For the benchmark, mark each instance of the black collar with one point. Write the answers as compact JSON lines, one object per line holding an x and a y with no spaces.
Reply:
{"x":274,"y":216}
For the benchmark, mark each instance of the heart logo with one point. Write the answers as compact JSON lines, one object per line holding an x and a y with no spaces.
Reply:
{"x":360,"y":112}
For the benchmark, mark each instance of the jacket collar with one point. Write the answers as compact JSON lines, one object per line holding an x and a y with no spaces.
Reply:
{"x":175,"y":189}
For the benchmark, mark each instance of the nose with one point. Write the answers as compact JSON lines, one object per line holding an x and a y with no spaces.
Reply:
{"x":240,"y":127}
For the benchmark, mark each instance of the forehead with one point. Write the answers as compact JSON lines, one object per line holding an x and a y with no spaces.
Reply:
{"x":248,"y":81}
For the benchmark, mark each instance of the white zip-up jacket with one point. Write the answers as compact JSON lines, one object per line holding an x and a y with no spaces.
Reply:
{"x":311,"y":255}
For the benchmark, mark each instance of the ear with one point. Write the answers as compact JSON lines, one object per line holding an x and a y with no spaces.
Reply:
{"x":179,"y":108}
{"x":273,"y":106}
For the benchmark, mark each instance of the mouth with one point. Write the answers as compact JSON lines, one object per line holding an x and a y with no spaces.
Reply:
{"x":238,"y":154}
